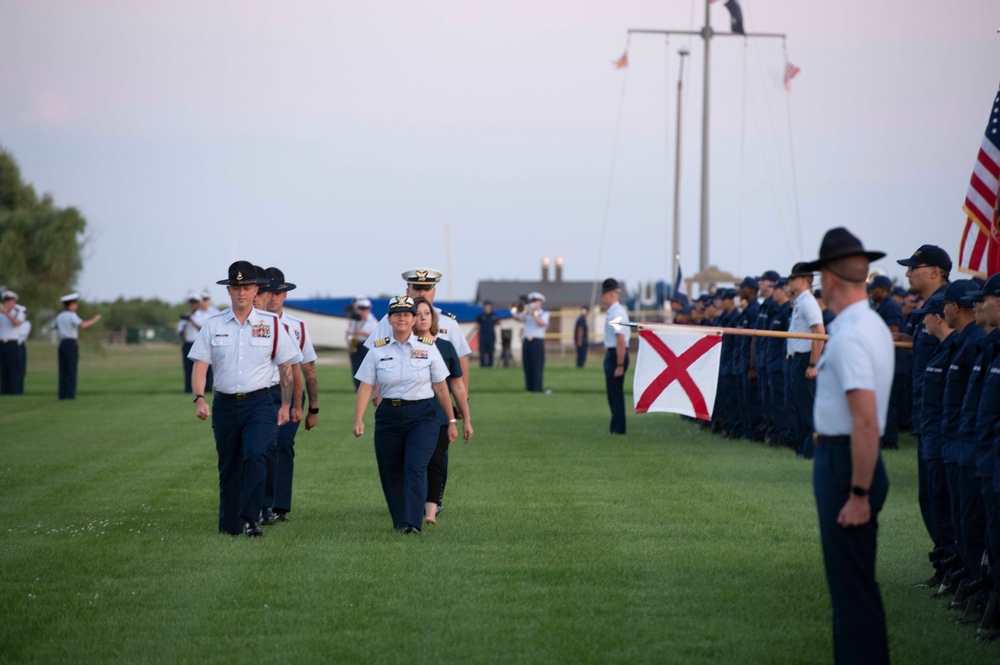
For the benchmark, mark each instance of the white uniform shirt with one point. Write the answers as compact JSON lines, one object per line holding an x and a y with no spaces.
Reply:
{"x":532,"y":329}
{"x":302,"y":339}
{"x":8,"y":331}
{"x":447,"y":329}
{"x":805,"y":314}
{"x":67,"y":324}
{"x":858,"y":356}
{"x":610,"y":334}
{"x":403,"y":371}
{"x":188,"y":328}
{"x":240,"y":355}
{"x":365,"y":325}
{"x":23,"y":330}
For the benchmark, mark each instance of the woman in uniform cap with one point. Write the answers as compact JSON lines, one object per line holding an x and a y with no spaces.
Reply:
{"x":410,"y":372}
{"x":426,"y":327}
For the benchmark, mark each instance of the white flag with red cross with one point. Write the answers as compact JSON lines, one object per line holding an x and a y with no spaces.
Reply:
{"x":677,"y":372}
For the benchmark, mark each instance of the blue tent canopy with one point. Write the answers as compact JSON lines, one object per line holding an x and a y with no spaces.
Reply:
{"x":464,"y":312}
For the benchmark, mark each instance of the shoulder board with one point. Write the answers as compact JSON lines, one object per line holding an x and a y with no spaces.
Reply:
{"x":449,"y":315}
{"x":426,"y":340}
{"x":382,"y":342}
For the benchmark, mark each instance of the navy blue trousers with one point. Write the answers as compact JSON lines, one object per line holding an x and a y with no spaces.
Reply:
{"x":751,"y":408}
{"x":437,"y":468}
{"x":188,"y":365}
{"x":859,"y":630}
{"x":951,"y":475}
{"x":243,"y":430}
{"x":616,"y":390}
{"x":991,"y":506}
{"x":23,"y":369}
{"x":10,"y":368}
{"x":800,"y":392}
{"x":891,"y":435}
{"x":940,"y":506}
{"x":779,"y":408}
{"x":487,"y":350}
{"x":405,"y":438}
{"x":69,"y":358}
{"x":581,"y":355}
{"x":281,"y":463}
{"x":973,"y":517}
{"x":533,"y":359}
{"x":924,"y":494}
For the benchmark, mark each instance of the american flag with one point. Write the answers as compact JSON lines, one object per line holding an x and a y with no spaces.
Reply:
{"x":791,"y":71}
{"x":979,"y":251}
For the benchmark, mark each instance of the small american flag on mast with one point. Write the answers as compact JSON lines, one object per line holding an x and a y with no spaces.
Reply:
{"x":791,"y":71}
{"x":979,"y":251}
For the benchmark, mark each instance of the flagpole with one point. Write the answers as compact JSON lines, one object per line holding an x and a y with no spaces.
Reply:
{"x":742,"y":332}
{"x":677,"y":170}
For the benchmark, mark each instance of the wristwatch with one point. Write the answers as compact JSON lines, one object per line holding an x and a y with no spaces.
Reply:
{"x":314,"y":410}
{"x":858,"y":490}
{"x":198,"y":397}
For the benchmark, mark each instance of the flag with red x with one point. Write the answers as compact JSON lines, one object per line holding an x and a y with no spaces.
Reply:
{"x":677,"y":372}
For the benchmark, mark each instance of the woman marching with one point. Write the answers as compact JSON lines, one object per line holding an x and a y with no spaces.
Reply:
{"x":409,"y":372}
{"x":426,"y":327}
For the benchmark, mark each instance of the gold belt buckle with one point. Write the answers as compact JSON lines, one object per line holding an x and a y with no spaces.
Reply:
{"x":396,"y":402}
{"x":241,"y":396}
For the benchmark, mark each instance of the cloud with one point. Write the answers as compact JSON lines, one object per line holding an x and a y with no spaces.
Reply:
{"x":48,"y":109}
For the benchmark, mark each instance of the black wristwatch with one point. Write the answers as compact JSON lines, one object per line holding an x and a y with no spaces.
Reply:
{"x":858,"y":490}
{"x":198,"y":397}
{"x":314,"y":410}
{"x":812,"y":364}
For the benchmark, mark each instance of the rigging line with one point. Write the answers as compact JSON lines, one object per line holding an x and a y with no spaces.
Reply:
{"x":774,"y":134}
{"x":743,"y":143}
{"x":774,"y":195}
{"x":791,"y":154}
{"x":611,"y":181}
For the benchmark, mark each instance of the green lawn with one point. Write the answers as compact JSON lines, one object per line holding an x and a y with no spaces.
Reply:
{"x":559,"y":543}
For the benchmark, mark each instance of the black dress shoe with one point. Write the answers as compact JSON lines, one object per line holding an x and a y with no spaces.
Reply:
{"x":407,"y":530}
{"x":253,"y":529}
{"x":281,"y":517}
{"x":267,"y":517}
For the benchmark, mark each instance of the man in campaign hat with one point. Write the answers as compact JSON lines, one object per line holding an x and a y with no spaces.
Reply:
{"x":281,"y":466}
{"x":853,"y":384}
{"x":245,"y":346}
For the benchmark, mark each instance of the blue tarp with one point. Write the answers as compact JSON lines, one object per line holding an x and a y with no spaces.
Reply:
{"x":464,"y":312}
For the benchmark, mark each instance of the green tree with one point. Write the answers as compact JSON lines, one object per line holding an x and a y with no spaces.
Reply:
{"x":40,"y":243}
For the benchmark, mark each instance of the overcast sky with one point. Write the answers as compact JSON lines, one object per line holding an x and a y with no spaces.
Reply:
{"x":345,"y":141}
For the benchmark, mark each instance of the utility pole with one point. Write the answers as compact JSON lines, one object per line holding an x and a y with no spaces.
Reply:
{"x":707,"y":34}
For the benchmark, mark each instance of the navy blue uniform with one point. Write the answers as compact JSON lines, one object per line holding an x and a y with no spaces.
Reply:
{"x":759,"y":346}
{"x":783,"y":431}
{"x":924,"y":345}
{"x":984,"y":430}
{"x":749,"y":399}
{"x":726,"y":415}
{"x":892,"y":314}
{"x":932,"y":442}
{"x":437,"y":468}
{"x":487,"y":337}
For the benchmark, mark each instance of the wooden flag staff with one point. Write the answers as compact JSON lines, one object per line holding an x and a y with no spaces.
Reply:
{"x":715,"y":330}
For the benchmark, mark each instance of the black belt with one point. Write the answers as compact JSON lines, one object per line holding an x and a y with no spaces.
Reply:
{"x":405,"y":402}
{"x":823,"y":440}
{"x":242,"y":396}
{"x":800,"y":353}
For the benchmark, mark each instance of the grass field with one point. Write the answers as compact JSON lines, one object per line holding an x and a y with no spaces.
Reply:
{"x":558,"y":543}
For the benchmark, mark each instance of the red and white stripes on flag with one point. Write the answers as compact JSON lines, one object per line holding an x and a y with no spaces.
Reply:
{"x":979,"y":251}
{"x":791,"y":71}
{"x":677,"y":371}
